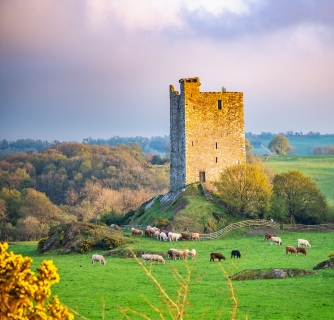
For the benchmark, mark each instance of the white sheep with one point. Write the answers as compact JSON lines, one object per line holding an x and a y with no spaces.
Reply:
{"x":191,"y":253}
{"x":303,"y":242}
{"x":163,"y":236}
{"x":277,"y":240}
{"x":194,"y":236}
{"x":174,"y":236}
{"x":98,"y":258}
{"x":152,"y":258}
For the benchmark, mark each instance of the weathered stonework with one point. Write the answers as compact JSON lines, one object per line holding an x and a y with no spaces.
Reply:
{"x":206,"y":132}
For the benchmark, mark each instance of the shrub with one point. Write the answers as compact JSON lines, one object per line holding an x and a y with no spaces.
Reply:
{"x":161,"y":223}
{"x":86,"y":245}
{"x":109,"y":242}
{"x":22,"y":294}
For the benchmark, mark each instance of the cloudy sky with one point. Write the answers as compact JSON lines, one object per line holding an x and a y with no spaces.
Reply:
{"x":73,"y":69}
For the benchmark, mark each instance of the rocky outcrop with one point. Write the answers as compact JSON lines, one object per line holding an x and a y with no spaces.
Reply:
{"x":276,"y":273}
{"x":325,"y":264}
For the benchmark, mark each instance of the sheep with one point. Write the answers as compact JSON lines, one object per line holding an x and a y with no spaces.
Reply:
{"x":191,"y":253}
{"x":136,"y":232}
{"x":235,"y":253}
{"x":99,"y":258}
{"x":180,"y":254}
{"x":174,"y":236}
{"x":158,"y":258}
{"x":303,"y":242}
{"x":277,"y":240}
{"x":194,"y":236}
{"x":185,"y":236}
{"x":269,"y":235}
{"x":157,"y":234}
{"x":302,"y":250}
{"x":170,"y":253}
{"x":215,"y":255}
{"x":290,"y":249}
{"x":163,"y":236}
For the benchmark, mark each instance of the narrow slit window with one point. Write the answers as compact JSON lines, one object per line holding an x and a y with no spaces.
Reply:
{"x":192,"y":143}
{"x":219,"y":104}
{"x":216,"y":145}
{"x":216,"y":159}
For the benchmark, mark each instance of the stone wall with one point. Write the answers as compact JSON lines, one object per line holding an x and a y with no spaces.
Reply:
{"x":207,"y":133}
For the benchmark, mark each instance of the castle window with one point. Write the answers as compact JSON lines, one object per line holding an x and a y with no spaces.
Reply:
{"x":216,"y":159}
{"x":192,"y":143}
{"x":202,"y":176}
{"x":219,"y":104}
{"x":216,"y":145}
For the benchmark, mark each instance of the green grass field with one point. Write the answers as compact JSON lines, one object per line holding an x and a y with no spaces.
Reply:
{"x":320,"y":168}
{"x":86,"y":288}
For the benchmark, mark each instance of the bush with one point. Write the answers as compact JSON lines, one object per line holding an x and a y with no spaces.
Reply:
{"x":22,"y":294}
{"x":109,"y":242}
{"x":161,"y":223}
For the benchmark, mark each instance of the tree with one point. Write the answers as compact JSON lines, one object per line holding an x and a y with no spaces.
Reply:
{"x":245,"y":189}
{"x":279,"y":144}
{"x":248,"y":145}
{"x":301,"y":197}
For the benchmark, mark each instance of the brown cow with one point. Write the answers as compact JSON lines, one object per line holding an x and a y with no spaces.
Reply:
{"x":215,"y":255}
{"x":302,"y":250}
{"x":269,"y":235}
{"x":290,"y":249}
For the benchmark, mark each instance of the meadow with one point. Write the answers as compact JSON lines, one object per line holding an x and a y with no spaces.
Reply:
{"x":303,"y":145}
{"x":318,"y":167}
{"x":100,"y":292}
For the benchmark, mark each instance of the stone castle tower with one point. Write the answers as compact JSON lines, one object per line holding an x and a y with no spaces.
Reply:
{"x":206,"y":133}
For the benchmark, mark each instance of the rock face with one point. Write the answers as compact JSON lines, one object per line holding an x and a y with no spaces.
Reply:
{"x":277,"y":273}
{"x":325,"y":264}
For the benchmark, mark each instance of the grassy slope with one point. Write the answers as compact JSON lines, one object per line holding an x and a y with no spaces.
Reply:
{"x":302,"y":145}
{"x":320,"y":168}
{"x":122,"y":282}
{"x":190,"y":209}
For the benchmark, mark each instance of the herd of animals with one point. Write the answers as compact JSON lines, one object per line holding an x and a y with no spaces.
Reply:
{"x":164,"y":235}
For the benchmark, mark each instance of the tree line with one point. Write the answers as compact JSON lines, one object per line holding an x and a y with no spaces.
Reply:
{"x":73,"y":182}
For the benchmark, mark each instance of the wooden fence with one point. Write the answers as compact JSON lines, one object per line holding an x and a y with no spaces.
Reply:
{"x":315,"y":227}
{"x":238,"y":225}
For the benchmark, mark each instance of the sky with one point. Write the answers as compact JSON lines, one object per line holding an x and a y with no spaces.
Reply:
{"x":74,"y":69}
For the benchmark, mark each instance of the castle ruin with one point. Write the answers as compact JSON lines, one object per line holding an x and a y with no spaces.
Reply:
{"x":206,"y":133}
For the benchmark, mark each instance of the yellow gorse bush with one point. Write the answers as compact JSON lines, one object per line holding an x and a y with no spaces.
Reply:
{"x":24,"y":295}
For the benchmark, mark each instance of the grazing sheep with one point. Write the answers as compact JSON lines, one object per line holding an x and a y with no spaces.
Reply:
{"x":290,"y":249}
{"x":194,"y":236}
{"x":303,"y":242}
{"x":136,"y":232}
{"x":185,"y":236}
{"x":98,"y":258}
{"x":180,"y":254}
{"x":269,"y":235}
{"x":157,"y":234}
{"x":276,"y":240}
{"x":215,"y":255}
{"x":302,"y":250}
{"x":235,"y":253}
{"x":148,"y":232}
{"x":158,"y":258}
{"x":174,"y":236}
{"x":191,"y":253}
{"x":163,"y":236}
{"x":170,"y":253}
{"x":145,"y":257}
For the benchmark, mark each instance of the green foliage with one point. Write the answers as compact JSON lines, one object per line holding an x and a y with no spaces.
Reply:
{"x":245,"y":189}
{"x":109,"y":242}
{"x":301,"y":197}
{"x":85,"y":245}
{"x":161,"y":223}
{"x":279,"y":144}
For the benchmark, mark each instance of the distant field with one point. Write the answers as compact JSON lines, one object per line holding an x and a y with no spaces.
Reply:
{"x":122,"y":282}
{"x":303,"y":145}
{"x":319,"y":167}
